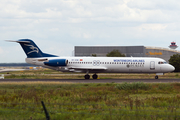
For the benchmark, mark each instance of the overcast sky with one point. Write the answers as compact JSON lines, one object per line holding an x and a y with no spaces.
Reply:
{"x":56,"y":26}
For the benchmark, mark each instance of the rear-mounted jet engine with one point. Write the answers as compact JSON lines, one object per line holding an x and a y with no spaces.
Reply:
{"x":57,"y":62}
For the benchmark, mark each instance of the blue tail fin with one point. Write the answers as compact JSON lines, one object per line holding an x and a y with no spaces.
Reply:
{"x":31,"y":49}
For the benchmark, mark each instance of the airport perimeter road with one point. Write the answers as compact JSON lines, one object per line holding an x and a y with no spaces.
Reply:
{"x":93,"y":81}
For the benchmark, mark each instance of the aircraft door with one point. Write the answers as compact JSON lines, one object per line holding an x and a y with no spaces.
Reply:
{"x":152,"y":65}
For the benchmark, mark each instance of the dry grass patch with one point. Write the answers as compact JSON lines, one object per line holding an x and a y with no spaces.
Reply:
{"x":35,"y":83}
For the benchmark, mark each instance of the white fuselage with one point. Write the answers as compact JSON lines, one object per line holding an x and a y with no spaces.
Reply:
{"x":107,"y":64}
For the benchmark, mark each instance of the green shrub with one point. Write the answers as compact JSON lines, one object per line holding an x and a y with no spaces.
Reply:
{"x":177,"y":75}
{"x":11,"y":76}
{"x":133,"y":86}
{"x":165,"y":87}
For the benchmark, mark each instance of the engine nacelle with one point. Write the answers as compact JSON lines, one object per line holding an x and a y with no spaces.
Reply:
{"x":57,"y":62}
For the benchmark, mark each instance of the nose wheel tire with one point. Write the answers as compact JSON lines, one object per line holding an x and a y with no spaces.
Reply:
{"x":95,"y":76}
{"x":87,"y":76}
{"x":156,"y":77}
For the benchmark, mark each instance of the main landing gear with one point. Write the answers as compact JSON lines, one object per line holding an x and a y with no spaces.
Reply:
{"x":95,"y":76}
{"x":87,"y":76}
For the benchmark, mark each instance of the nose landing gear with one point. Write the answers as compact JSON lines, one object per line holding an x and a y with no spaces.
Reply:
{"x":156,"y":77}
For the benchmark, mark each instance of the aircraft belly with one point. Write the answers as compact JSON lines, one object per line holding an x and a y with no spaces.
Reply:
{"x":117,"y":69}
{"x":135,"y":70}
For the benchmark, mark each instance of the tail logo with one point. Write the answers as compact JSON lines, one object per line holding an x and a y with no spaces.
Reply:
{"x":34,"y":49}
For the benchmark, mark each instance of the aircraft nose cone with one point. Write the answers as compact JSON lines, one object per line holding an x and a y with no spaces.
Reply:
{"x":172,"y":68}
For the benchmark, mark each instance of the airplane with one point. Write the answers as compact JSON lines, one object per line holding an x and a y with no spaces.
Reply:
{"x":93,"y":64}
{"x":10,"y":70}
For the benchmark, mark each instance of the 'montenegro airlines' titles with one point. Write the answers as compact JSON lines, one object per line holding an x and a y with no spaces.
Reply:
{"x":94,"y":64}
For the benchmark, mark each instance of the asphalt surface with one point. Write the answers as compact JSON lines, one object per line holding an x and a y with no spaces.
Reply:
{"x":93,"y":81}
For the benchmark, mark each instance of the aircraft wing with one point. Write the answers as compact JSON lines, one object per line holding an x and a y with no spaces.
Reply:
{"x":88,"y":68}
{"x":92,"y":69}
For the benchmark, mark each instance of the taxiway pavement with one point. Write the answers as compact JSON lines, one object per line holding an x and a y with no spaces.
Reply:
{"x":93,"y":80}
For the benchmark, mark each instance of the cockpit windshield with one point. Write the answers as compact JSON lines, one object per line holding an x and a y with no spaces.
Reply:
{"x":162,"y":62}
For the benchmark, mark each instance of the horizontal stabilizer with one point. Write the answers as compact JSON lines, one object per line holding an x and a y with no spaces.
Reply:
{"x":17,"y":41}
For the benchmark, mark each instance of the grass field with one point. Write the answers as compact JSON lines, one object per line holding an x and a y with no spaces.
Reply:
{"x":108,"y":101}
{"x":105,"y":101}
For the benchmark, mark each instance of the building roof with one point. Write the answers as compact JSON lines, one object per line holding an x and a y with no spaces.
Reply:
{"x":160,"y":48}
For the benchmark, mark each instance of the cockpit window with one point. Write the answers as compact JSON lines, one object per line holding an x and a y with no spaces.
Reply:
{"x":162,"y":62}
